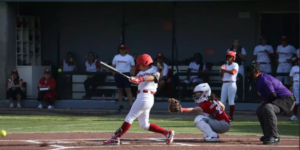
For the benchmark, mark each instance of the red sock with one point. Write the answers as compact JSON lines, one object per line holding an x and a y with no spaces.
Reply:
{"x":157,"y":129}
{"x":124,"y":128}
{"x":231,"y":111}
{"x":296,"y":109}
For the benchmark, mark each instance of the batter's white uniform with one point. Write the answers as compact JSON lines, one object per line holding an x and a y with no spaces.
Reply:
{"x":285,"y":53}
{"x":241,"y":67}
{"x":194,"y":69}
{"x":295,"y":74}
{"x":263,"y":58}
{"x":144,"y":101}
{"x":229,"y":84}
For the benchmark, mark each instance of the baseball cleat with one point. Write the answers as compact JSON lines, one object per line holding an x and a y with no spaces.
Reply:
{"x":271,"y":140}
{"x":40,"y":106}
{"x":212,"y":139}
{"x":112,"y":141}
{"x":169,"y":136}
{"x":294,"y":118}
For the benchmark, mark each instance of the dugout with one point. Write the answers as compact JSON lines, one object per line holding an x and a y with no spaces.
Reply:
{"x":152,"y":27}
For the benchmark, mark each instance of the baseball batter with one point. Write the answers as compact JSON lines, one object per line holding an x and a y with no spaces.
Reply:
{"x":147,"y":80}
{"x":213,"y":119}
{"x":262,"y":54}
{"x":285,"y":54}
{"x":229,"y":73}
{"x":294,"y":82}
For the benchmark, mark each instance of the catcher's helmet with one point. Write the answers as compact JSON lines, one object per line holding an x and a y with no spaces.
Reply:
{"x":144,"y":59}
{"x":206,"y":91}
{"x":231,"y":53}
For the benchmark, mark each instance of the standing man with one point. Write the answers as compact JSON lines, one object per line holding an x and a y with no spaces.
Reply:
{"x":276,"y":98}
{"x":262,"y":55}
{"x":285,"y":55}
{"x":124,"y":63}
{"x":164,"y":72}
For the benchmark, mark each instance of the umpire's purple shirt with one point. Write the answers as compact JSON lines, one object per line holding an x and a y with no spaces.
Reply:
{"x":266,"y":84}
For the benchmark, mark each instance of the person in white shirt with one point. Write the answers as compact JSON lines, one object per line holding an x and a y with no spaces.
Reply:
{"x":240,"y":55}
{"x":284,"y":55}
{"x":124,"y":63}
{"x":67,"y":65}
{"x":294,"y":82}
{"x":262,"y":54}
{"x":229,"y":73}
{"x":92,"y":81}
{"x":164,"y":71}
{"x":197,"y":66}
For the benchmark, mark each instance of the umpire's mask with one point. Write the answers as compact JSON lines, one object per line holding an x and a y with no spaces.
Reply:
{"x":251,"y":70}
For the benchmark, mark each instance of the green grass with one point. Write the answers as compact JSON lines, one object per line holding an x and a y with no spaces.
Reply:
{"x":59,"y":123}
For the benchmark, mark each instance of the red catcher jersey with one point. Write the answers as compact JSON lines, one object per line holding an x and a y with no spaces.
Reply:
{"x":211,"y":107}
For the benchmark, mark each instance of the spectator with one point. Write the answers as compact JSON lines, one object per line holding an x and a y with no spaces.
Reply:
{"x":14,"y":88}
{"x":262,"y":55}
{"x":92,"y":81}
{"x":197,"y":66}
{"x":124,"y":63}
{"x":164,"y":67}
{"x":67,"y":65}
{"x":47,"y":89}
{"x":294,"y":82}
{"x":284,"y":55}
{"x":240,"y":55}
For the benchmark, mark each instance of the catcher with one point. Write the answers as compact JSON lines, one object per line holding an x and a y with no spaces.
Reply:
{"x":212,"y":120}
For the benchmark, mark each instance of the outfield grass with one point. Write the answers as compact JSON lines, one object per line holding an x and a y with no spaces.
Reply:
{"x":59,"y":123}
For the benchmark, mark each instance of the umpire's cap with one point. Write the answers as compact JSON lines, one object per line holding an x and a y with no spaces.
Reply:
{"x":253,"y":67}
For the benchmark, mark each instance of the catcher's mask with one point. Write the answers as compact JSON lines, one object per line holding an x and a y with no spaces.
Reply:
{"x":201,"y":92}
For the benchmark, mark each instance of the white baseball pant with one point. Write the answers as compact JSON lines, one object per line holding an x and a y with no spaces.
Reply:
{"x":284,"y":68}
{"x":193,"y":79}
{"x":296,"y":91}
{"x":228,"y":92}
{"x":141,"y":110}
{"x":267,"y":68}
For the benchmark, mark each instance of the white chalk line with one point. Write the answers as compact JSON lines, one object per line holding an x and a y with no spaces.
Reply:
{"x":59,"y":147}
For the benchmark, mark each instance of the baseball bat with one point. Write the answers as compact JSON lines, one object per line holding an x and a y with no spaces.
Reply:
{"x":113,"y":69}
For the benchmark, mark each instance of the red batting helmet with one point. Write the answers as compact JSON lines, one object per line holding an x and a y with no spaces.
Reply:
{"x":231,"y":53}
{"x":144,"y":59}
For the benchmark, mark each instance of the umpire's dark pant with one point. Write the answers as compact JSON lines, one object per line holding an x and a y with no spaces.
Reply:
{"x":266,"y":114}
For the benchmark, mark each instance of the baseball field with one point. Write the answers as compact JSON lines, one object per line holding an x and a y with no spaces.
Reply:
{"x":57,"y":130}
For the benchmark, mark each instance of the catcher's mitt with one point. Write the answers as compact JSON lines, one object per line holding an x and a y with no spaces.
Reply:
{"x":174,"y":106}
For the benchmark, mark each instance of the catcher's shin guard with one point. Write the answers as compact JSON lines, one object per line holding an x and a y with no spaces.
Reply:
{"x":202,"y":125}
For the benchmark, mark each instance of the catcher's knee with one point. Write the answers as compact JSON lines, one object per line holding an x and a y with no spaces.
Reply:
{"x":145,"y":126}
{"x":201,"y":119}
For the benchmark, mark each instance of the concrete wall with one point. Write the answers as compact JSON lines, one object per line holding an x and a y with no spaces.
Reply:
{"x":85,"y":27}
{"x":7,"y":44}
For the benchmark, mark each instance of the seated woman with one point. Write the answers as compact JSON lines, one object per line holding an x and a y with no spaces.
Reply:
{"x":67,"y":65}
{"x":47,"y":89}
{"x":164,"y":72}
{"x":14,"y":88}
{"x":197,"y":66}
{"x":92,"y":81}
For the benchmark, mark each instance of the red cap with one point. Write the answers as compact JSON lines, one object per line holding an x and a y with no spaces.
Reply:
{"x":15,"y":71}
{"x":160,"y":55}
{"x":284,"y":38}
{"x":122,"y":47}
{"x":47,"y":71}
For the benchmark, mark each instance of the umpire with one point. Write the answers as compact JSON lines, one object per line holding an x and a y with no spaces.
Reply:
{"x":276,"y":98}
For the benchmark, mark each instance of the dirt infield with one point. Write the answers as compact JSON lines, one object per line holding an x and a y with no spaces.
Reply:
{"x":60,"y":141}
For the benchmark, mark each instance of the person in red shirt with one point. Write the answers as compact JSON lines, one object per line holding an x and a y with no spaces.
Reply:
{"x":47,"y":89}
{"x":14,"y":88}
{"x":213,"y":119}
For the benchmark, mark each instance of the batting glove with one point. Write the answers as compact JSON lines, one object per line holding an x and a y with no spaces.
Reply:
{"x":223,"y":67}
{"x":137,"y":80}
